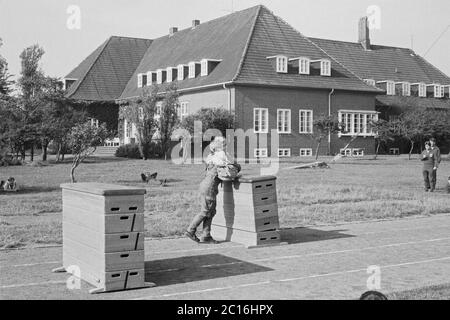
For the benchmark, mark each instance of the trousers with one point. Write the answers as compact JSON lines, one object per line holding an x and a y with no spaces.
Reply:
{"x":206,"y":215}
{"x":429,"y":178}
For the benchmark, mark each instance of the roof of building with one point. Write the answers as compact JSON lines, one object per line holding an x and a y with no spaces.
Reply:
{"x":403,"y":102}
{"x":103,"y":75}
{"x":383,"y":62}
{"x":242,"y":41}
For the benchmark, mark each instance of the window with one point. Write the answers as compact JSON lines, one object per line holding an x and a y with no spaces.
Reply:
{"x":305,"y":152}
{"x":282,"y":64}
{"x":261,"y":120}
{"x":284,"y":120}
{"x":357,"y":123}
{"x":406,"y":89}
{"x":180,"y":72}
{"x":204,"y":68}
{"x":139,"y":76}
{"x":169,"y":74}
{"x":182,"y":110}
{"x":325,"y":67}
{"x":94,"y":122}
{"x":159,"y":76}
{"x":305,"y":121}
{"x":260,"y":153}
{"x":141,"y":113}
{"x":370,"y":82}
{"x":192,"y":66}
{"x":303,"y":66}
{"x":158,"y":110}
{"x":284,"y":152}
{"x":422,"y":90}
{"x":127,"y":126}
{"x":437,"y":91}
{"x":442,"y":91}
{"x":390,"y":88}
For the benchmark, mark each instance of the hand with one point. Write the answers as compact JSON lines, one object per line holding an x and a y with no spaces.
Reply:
{"x":435,"y":168}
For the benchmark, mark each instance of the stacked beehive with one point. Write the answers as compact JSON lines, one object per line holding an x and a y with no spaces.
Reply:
{"x":103,"y":235}
{"x":247,"y":212}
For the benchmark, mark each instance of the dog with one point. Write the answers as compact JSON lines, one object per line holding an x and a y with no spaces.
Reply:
{"x":146,"y":177}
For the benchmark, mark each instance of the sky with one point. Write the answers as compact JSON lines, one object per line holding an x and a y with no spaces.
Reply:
{"x":423,"y":25}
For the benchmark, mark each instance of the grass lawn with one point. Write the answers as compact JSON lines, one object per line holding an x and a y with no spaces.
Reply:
{"x":353,"y":189}
{"x":441,"y":292}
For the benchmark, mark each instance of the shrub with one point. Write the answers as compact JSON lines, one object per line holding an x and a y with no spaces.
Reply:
{"x":6,"y":160}
{"x":131,"y":151}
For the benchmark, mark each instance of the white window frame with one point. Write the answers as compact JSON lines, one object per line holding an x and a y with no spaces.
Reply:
{"x":94,"y":123}
{"x":422,"y":90}
{"x":169,"y":73}
{"x":204,"y":67}
{"x":159,"y":76}
{"x":286,"y":121}
{"x":370,"y":82}
{"x":305,"y":152}
{"x":139,"y":80}
{"x":192,"y":67}
{"x":257,"y":114}
{"x":182,"y":110}
{"x":390,"y":88}
{"x":442,"y":91}
{"x":158,"y":110}
{"x":304,"y":66}
{"x":406,"y":89}
{"x":284,"y":152}
{"x":359,"y":120}
{"x":437,"y":90}
{"x":325,"y":67}
{"x":260,"y":152}
{"x":307,"y":113}
{"x":282,"y":64}
{"x":180,"y":72}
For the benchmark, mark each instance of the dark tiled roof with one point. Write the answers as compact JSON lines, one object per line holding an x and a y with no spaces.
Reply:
{"x":103,"y":75}
{"x":412,"y":102}
{"x":383,"y":62}
{"x":223,"y":38}
{"x":242,"y":40}
{"x":273,"y":36}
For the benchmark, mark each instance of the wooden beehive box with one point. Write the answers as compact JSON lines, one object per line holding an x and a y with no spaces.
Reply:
{"x":247,"y":211}
{"x":103,"y":235}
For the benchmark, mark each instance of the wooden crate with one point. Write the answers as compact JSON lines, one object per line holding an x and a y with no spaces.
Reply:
{"x":247,"y":211}
{"x":103,"y":235}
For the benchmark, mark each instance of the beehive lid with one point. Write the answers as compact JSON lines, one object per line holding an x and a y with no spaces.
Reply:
{"x":103,"y":189}
{"x":251,"y":179}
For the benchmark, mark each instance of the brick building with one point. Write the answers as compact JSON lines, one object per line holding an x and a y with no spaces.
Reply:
{"x":269,"y":75}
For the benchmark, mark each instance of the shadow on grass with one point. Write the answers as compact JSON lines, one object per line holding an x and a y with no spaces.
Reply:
{"x":31,"y":190}
{"x":301,"y":235}
{"x":197,"y":268}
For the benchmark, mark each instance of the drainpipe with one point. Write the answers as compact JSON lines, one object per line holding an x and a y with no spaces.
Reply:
{"x":329,"y":115}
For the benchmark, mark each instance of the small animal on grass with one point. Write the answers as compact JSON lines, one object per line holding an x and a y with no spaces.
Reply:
{"x":146,"y":177}
{"x":9,"y":185}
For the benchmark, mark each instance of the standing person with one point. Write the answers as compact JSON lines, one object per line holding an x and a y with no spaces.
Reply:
{"x":429,"y":173}
{"x":437,"y":156}
{"x":209,"y":188}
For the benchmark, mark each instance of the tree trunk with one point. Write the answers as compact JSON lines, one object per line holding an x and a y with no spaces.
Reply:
{"x":44,"y":151}
{"x":376,"y":150}
{"x":411,"y":150}
{"x":72,"y":173}
{"x":58,"y":153}
{"x":317,"y":148}
{"x":32,"y":152}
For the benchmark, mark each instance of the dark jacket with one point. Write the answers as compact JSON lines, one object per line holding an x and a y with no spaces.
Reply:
{"x":437,"y":155}
{"x":209,"y":187}
{"x":429,"y":159}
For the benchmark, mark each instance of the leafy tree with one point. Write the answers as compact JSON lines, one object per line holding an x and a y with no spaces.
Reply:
{"x":211,"y":118}
{"x":169,"y":118}
{"x":324,"y":125}
{"x":141,"y":112}
{"x":83,"y":141}
{"x":385,"y":131}
{"x":5,"y":82}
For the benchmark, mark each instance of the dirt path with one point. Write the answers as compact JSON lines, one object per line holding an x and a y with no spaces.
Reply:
{"x":320,"y":263}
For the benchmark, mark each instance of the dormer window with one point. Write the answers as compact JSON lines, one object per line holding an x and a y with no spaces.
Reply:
{"x":303,"y":66}
{"x":370,"y":82}
{"x":160,"y":76}
{"x":422,"y":90}
{"x":171,"y":74}
{"x":437,"y":91}
{"x":390,"y":88}
{"x":182,"y":72}
{"x":139,"y":80}
{"x":67,"y":82}
{"x":442,"y":91}
{"x":406,"y":89}
{"x":281,"y":63}
{"x":207,"y":65}
{"x":325,"y":67}
{"x":193,"y":69}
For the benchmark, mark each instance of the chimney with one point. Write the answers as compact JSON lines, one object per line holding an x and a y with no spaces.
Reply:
{"x":173,"y":30}
{"x":363,"y":32}
{"x":195,"y":23}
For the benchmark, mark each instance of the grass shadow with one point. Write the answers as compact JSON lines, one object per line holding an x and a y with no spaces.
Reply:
{"x":302,"y":235}
{"x":197,"y":268}
{"x":31,"y":190}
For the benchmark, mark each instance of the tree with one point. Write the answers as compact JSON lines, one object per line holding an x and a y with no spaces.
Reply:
{"x":169,"y":119}
{"x":5,"y":82}
{"x":83,"y":141}
{"x":324,"y":125}
{"x":385,"y":131}
{"x":141,"y":112}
